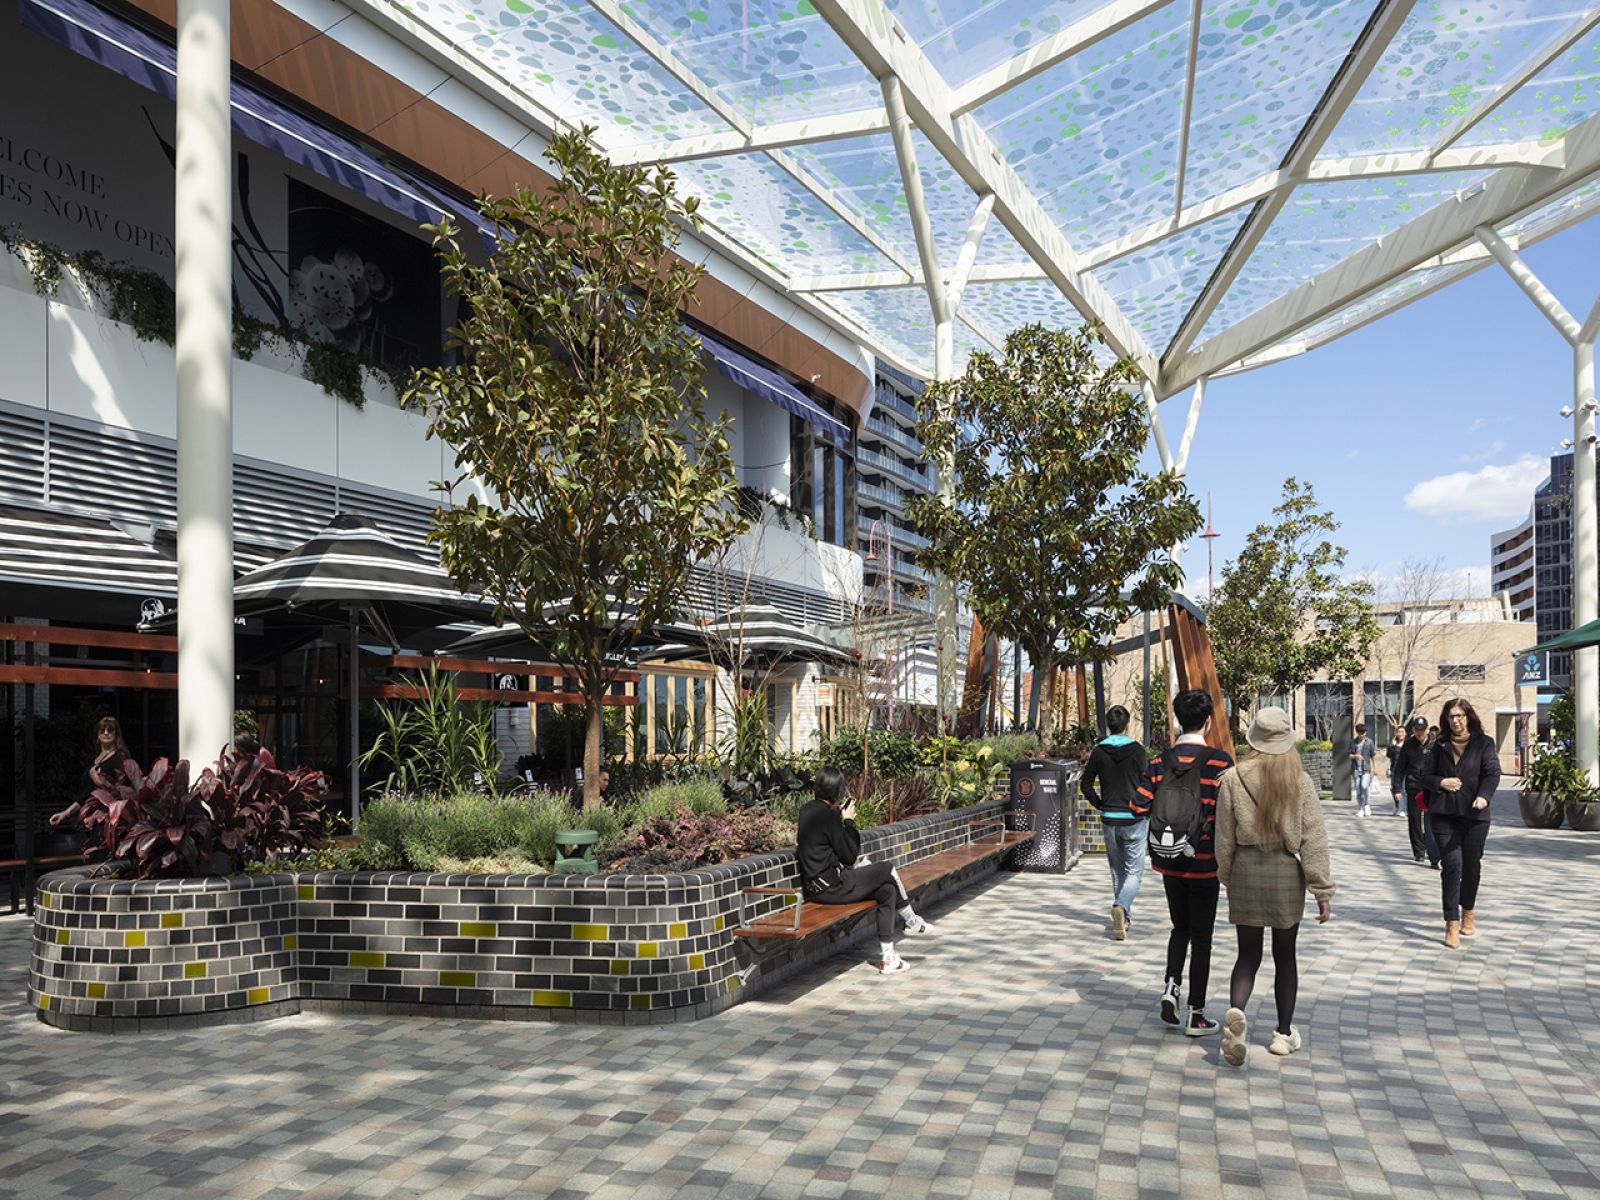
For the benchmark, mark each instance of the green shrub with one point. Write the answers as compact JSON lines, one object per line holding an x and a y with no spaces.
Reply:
{"x":1007,"y":748}
{"x":893,"y":755}
{"x":697,"y":795}
{"x":434,"y":833}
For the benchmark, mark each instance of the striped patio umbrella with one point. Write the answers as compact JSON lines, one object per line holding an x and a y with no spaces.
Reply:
{"x":757,"y":634}
{"x":352,"y":573}
{"x":511,"y":641}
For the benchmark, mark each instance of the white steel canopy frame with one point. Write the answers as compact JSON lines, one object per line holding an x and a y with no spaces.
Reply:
{"x":814,"y":127}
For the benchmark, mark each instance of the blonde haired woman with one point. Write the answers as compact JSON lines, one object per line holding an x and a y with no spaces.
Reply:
{"x":1271,"y":849}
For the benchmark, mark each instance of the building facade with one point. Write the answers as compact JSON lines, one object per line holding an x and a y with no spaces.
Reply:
{"x":326,"y":243}
{"x":1511,"y":567}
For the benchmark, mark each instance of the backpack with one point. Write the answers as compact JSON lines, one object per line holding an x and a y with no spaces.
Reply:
{"x":1177,"y":818}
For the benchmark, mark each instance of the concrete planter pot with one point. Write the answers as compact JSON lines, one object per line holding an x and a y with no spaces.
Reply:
{"x":1540,"y":810}
{"x":1583,"y":817}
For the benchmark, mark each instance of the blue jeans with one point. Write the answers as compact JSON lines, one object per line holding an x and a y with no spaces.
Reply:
{"x":1363,"y":785}
{"x":1125,"y":847}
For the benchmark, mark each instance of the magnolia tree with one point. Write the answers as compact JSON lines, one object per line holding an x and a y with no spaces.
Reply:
{"x":577,"y":407}
{"x":1052,"y":531}
{"x":1284,"y":612}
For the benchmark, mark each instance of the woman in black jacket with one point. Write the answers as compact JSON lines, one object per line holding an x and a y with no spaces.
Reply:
{"x":1461,"y":775}
{"x":827,"y":847}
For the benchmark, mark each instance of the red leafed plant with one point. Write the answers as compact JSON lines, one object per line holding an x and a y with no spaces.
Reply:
{"x":243,"y":809}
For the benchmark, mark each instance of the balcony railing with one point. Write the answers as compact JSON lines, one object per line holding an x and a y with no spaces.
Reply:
{"x":900,"y":470}
{"x":892,"y":434}
{"x":886,"y":397}
{"x":871,"y":493}
{"x":900,"y":534}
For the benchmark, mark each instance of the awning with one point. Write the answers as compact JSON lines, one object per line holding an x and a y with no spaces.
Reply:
{"x":1573,"y":639}
{"x":54,"y":549}
{"x":769,"y":385}
{"x":120,"y":46}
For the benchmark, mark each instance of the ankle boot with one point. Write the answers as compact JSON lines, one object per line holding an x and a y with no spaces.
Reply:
{"x":1452,"y":934}
{"x":1469,"y":927}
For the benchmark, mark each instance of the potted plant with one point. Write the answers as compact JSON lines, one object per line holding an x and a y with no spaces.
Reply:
{"x":1542,"y":798}
{"x":1583,"y":807}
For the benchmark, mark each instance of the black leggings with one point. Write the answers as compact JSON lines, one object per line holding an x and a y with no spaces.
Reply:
{"x":1285,"y":970}
{"x":1461,"y":843}
{"x":1192,"y":905}
{"x":875,"y":881}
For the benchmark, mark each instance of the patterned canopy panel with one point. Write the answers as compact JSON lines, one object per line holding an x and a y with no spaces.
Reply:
{"x":1081,"y":103}
{"x":1324,"y":224}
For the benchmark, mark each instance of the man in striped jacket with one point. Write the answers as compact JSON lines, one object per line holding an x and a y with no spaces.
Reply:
{"x":1190,"y":881}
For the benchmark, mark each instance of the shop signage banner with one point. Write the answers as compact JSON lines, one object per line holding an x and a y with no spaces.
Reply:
{"x":1533,"y":670}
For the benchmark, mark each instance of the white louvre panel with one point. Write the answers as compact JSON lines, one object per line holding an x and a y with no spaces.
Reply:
{"x":100,"y":472}
{"x":710,"y":592}
{"x":273,"y":509}
{"x":407,"y":521}
{"x":22,"y":461}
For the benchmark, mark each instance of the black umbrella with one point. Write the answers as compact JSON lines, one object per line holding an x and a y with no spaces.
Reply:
{"x":353,"y":573}
{"x":753,"y":635}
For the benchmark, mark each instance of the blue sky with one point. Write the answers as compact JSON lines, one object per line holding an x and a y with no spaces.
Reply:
{"x":1467,"y":382}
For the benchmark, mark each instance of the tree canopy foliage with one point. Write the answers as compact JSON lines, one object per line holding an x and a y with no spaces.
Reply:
{"x":1284,"y":612}
{"x":576,"y":407}
{"x":1053,"y":532}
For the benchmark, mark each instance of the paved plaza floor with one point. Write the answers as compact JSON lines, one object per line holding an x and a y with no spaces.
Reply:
{"x":1022,"y":1056}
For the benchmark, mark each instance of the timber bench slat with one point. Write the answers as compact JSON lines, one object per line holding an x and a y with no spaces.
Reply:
{"x":815,"y":917}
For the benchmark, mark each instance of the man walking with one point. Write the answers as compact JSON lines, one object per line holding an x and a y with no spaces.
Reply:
{"x":1179,"y":795}
{"x":1117,"y":764}
{"x":1361,"y":755}
{"x":1409,"y":772}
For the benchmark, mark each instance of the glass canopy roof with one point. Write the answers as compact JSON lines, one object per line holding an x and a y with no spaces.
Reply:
{"x":1218,"y":182}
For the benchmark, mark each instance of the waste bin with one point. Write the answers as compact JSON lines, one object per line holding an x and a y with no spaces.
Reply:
{"x":1039,"y":802}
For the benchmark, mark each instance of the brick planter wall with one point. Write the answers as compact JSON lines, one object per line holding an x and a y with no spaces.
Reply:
{"x":615,"y":949}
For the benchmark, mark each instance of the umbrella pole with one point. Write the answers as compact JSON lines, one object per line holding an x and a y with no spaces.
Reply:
{"x":355,"y":723}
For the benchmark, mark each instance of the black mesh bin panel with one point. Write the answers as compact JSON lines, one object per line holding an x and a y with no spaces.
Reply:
{"x":1039,"y":802}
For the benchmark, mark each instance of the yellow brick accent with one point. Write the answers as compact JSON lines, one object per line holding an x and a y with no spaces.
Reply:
{"x":677,"y":931}
{"x":697,"y":962}
{"x":97,"y":991}
{"x":619,"y":966}
{"x":366,"y":958}
{"x":648,"y":950}
{"x":47,"y":900}
{"x":552,"y":999}
{"x":291,"y":941}
{"x":63,"y":937}
{"x":721,"y":922}
{"x":194,"y":970}
{"x":458,"y":979}
{"x":256,"y":996}
{"x":478,"y":929}
{"x":44,"y":1003}
{"x":134,"y":937}
{"x":306,"y":891}
{"x":172,"y":920}
{"x":905,"y":848}
{"x":639,"y":1002}
{"x":592,"y":933}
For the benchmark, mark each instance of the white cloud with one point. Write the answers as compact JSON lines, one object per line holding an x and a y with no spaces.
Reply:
{"x":1491,"y":493}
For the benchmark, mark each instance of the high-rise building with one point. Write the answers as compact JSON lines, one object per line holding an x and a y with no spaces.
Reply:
{"x":1511,"y":567}
{"x":1532,"y":564}
{"x":892,"y":471}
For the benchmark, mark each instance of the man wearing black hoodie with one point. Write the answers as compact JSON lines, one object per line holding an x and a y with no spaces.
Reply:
{"x":1117,"y":764}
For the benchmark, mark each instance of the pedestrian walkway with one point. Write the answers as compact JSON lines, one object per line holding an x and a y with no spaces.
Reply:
{"x":1022,"y":1056}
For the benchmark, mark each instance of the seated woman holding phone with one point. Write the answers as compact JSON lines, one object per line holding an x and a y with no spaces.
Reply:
{"x":828,"y":846}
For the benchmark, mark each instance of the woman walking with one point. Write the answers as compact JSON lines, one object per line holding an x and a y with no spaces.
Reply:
{"x":1271,"y":849}
{"x":1461,"y":775}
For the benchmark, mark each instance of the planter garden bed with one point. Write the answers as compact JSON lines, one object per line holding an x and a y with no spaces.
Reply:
{"x":612,"y":949}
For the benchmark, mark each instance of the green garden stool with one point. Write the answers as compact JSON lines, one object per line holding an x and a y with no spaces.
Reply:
{"x":580,"y":840}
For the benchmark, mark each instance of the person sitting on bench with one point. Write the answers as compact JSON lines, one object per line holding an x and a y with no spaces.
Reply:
{"x":828,"y":846}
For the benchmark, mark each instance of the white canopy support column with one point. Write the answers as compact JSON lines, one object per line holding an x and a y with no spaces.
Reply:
{"x":203,"y":211}
{"x":1176,"y":464}
{"x":1585,"y":507}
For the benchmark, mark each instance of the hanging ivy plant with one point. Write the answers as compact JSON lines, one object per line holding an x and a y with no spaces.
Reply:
{"x":144,"y":301}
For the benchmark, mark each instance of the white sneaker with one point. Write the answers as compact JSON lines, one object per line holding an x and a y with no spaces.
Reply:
{"x":915,"y":924}
{"x":1284,"y":1043}
{"x":893,"y":966}
{"x":1233,"y":1037}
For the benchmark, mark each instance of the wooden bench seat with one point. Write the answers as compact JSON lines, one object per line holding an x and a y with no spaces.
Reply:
{"x":802,"y":919}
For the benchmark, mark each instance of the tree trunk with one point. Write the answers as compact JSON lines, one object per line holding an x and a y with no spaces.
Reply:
{"x":1034,"y":687}
{"x":594,"y":711}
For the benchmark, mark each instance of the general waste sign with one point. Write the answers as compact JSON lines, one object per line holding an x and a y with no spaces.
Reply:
{"x":1533,"y":670}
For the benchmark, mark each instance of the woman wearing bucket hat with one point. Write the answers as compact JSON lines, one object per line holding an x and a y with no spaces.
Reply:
{"x":1271,"y":849}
